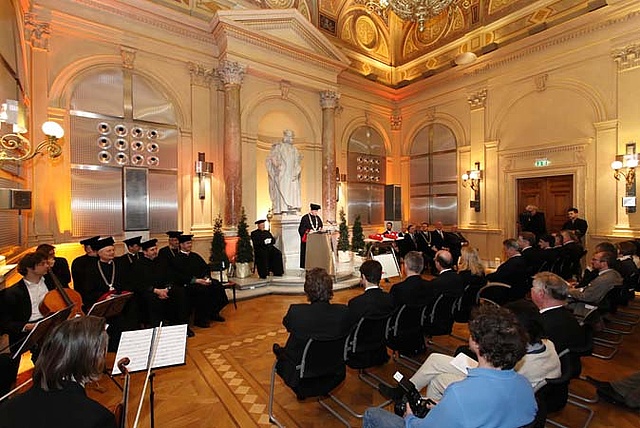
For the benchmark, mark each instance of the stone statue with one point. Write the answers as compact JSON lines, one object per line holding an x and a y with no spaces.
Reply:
{"x":283,"y":166}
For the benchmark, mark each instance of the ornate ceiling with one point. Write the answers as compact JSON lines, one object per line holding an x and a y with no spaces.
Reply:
{"x":393,"y":52}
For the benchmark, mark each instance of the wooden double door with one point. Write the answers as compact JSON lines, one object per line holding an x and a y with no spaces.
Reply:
{"x":552,"y":195}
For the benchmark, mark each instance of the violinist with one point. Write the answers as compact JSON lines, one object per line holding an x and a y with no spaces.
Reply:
{"x":72,"y":356}
{"x":20,"y":303}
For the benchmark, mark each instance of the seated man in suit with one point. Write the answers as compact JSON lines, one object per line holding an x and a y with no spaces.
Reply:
{"x":513,"y":271}
{"x":447,"y":281}
{"x":318,"y":319}
{"x":595,"y":291}
{"x":438,"y":239}
{"x":571,"y":251}
{"x":413,"y":290}
{"x":268,"y":257}
{"x":549,"y":293}
{"x":374,"y":302}
{"x":410,"y":241}
{"x":455,"y":240}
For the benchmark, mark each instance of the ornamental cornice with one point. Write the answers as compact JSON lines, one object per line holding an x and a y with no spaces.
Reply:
{"x":554,"y":41}
{"x":36,"y":32}
{"x":200,"y":75}
{"x":577,"y":149}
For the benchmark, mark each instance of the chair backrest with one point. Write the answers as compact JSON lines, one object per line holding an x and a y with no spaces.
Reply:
{"x":466,"y":302}
{"x":366,"y":346}
{"x":439,"y":319}
{"x":322,"y":358}
{"x":403,"y":331}
{"x":496,"y":292}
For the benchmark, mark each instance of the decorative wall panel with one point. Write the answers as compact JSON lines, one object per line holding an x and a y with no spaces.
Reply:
{"x":96,"y":205}
{"x":163,"y":201}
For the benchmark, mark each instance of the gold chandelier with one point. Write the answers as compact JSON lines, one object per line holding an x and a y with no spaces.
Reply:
{"x":419,"y":11}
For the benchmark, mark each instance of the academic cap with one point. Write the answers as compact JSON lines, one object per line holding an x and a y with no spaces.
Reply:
{"x":315,"y":207}
{"x":174,"y":233}
{"x":102,"y":243}
{"x":185,"y":238}
{"x":260,"y":221}
{"x":148,"y":244}
{"x":133,"y":241}
{"x":90,"y":241}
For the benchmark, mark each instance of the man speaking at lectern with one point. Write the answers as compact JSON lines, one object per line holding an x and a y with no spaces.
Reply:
{"x":309,"y":223}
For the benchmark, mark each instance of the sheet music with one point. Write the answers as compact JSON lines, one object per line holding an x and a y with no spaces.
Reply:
{"x":136,"y":345}
{"x":41,"y":328}
{"x":463,"y":363}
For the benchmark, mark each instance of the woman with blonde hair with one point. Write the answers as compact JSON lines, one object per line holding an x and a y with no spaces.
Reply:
{"x":470,"y":267}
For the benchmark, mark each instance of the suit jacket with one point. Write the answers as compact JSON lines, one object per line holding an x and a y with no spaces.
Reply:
{"x":321,"y":320}
{"x":562,"y":328}
{"x":578,"y":225}
{"x":437,"y":240}
{"x":595,"y":291}
{"x":67,"y":407}
{"x":448,"y":282}
{"x":409,"y":243}
{"x":533,"y":258}
{"x":15,"y":310}
{"x":535,"y":224}
{"x":374,"y":302}
{"x":512,"y":272}
{"x":424,"y":242}
{"x":411,"y":291}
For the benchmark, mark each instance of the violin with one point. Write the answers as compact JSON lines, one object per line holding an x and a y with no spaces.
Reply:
{"x":121,"y":409}
{"x":60,"y":298}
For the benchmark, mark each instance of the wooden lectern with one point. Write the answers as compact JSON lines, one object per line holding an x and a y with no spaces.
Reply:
{"x":319,"y":252}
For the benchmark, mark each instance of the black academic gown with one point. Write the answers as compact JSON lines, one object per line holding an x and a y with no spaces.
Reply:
{"x":79,"y":270}
{"x":268,"y":257}
{"x":307,"y":222}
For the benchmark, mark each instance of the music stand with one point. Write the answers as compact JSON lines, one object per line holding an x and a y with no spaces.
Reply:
{"x":110,"y":307}
{"x":41,"y":328}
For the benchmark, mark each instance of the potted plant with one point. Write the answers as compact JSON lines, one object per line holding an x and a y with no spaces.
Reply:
{"x":244,"y":250}
{"x":357,"y":237}
{"x":344,"y":255}
{"x":218,"y":260}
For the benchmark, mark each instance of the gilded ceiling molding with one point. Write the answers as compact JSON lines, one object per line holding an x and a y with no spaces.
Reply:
{"x":549,"y":43}
{"x":230,"y":73}
{"x":36,"y":33}
{"x":128,"y":56}
{"x":329,"y":99}
{"x":478,"y":99}
{"x":628,"y":57}
{"x":395,"y":120}
{"x":541,"y":82}
{"x":200,"y":75}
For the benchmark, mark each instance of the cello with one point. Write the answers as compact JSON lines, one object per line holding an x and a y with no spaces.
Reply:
{"x":60,"y":298}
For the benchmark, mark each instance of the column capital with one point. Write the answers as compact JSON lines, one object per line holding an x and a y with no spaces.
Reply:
{"x":200,"y":75}
{"x":477,"y":99}
{"x":36,"y":32}
{"x":329,"y":99}
{"x":230,"y":73}
{"x":128,"y":56}
{"x":627,"y":57}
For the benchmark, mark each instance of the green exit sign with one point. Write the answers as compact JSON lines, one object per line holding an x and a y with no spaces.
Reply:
{"x":542,"y":162}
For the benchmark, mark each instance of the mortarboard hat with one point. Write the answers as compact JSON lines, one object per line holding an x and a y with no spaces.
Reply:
{"x":133,"y":241}
{"x":148,"y":244}
{"x":174,"y":233}
{"x":102,"y":243}
{"x":185,"y":238}
{"x":315,"y":207}
{"x":260,"y":221}
{"x":90,"y":241}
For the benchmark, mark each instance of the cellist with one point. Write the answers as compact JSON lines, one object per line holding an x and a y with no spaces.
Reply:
{"x":71,"y":356}
{"x":20,"y":303}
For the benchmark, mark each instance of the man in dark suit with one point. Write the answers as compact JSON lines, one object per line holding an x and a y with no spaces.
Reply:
{"x":571,"y":252}
{"x":423,"y":236}
{"x":374,"y":302}
{"x":455,"y":240}
{"x":530,"y":253}
{"x":438,"y":239}
{"x":171,"y":250}
{"x":413,"y":290}
{"x":549,"y":293}
{"x":319,"y":319}
{"x":577,"y":225}
{"x":533,"y":221}
{"x":19,"y":304}
{"x":513,"y":271}
{"x":309,"y":223}
{"x":447,"y":281}
{"x":268,"y":257}
{"x":410,"y":241}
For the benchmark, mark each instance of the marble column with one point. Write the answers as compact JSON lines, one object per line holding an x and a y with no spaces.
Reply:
{"x":231,"y":74}
{"x":329,"y":101}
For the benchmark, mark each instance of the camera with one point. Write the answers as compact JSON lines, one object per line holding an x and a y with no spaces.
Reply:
{"x":412,"y":396}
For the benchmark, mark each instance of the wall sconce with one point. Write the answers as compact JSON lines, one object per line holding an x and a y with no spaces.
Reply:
{"x":472,"y":179}
{"x":16,"y":147}
{"x":624,"y":167}
{"x":203,"y":169}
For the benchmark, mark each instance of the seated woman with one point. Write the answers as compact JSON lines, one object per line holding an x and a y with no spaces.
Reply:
{"x":492,"y":395}
{"x":72,"y":356}
{"x":539,"y":362}
{"x":319,"y":319}
{"x":470,"y":268}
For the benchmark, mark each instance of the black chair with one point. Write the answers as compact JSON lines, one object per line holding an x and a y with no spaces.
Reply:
{"x":404,"y":335}
{"x":592,"y":323}
{"x":554,"y":395}
{"x":437,"y":320}
{"x":497,"y":293}
{"x":321,"y":369}
{"x":576,"y":364}
{"x":608,"y":307}
{"x":466,"y":303}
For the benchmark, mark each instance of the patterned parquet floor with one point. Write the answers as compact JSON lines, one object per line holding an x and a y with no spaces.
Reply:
{"x":225,"y":381}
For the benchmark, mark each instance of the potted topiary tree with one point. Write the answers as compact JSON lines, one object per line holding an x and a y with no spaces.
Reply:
{"x":357,"y":237}
{"x":344,"y":255}
{"x":244,"y":250}
{"x":218,"y":260}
